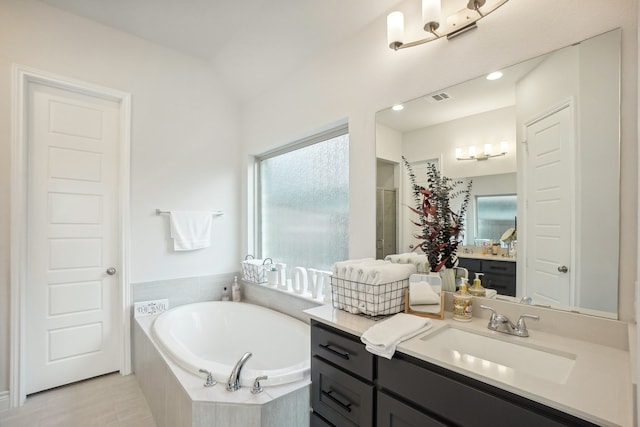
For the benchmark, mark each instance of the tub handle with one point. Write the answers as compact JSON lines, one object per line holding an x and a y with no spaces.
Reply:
{"x":257,"y":388}
{"x":210,"y":381}
{"x":329,"y":347}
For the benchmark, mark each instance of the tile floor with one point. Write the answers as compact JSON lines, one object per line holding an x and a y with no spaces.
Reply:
{"x":107,"y":401}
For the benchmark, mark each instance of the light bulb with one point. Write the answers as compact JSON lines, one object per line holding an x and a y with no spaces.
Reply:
{"x":504,"y":146}
{"x":472,"y":151}
{"x":458,"y":153}
{"x":431,"y":14}
{"x":395,"y":29}
{"x":487,"y":149}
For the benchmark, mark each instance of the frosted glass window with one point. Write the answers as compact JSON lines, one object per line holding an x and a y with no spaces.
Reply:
{"x":495,"y":215}
{"x":304,"y":205}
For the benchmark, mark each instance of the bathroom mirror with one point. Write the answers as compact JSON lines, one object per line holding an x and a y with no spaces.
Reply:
{"x":560,"y":117}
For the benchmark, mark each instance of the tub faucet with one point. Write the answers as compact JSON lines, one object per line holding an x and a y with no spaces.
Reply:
{"x":234,"y":379}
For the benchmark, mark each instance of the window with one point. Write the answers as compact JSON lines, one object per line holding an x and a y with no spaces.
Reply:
{"x":494,"y":215}
{"x":304,"y":202}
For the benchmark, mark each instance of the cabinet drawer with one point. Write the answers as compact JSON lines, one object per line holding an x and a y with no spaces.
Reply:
{"x":393,"y":413}
{"x":317,"y":421}
{"x":443,"y":396}
{"x":505,"y":285}
{"x":341,"y":349}
{"x":499,"y":267}
{"x":338,"y":397}
{"x":473,"y":265}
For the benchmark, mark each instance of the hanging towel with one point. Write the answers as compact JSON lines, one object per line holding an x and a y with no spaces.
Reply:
{"x":383,"y":337}
{"x":191,"y":230}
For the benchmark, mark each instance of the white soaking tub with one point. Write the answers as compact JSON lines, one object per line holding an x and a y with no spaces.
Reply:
{"x":214,"y":336}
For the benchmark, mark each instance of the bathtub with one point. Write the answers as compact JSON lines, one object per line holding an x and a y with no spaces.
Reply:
{"x":214,"y":335}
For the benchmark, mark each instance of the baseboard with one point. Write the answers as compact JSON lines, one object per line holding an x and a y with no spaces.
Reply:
{"x":4,"y":401}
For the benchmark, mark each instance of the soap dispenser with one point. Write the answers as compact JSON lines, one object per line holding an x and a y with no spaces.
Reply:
{"x":477,"y":290}
{"x":225,"y":294}
{"x":462,"y":299}
{"x":235,"y":290}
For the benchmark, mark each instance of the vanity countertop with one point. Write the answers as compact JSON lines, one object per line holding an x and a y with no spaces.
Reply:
{"x":478,"y":255}
{"x":598,"y":388}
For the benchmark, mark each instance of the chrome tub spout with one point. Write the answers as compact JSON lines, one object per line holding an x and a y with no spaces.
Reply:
{"x":234,"y":379}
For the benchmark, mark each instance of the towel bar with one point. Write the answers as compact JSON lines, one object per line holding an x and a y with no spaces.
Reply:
{"x":215,"y":213}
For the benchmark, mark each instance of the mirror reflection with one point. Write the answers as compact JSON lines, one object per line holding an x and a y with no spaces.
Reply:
{"x":541,"y":144}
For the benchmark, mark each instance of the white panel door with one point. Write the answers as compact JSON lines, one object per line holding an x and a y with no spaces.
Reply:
{"x":72,"y":328}
{"x":549,"y":183}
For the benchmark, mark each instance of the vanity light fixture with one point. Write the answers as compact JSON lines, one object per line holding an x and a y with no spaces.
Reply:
{"x":464,"y":17}
{"x":486,"y":154}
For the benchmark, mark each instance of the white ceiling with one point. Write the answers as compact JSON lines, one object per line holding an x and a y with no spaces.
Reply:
{"x":250,"y":43}
{"x":468,"y":98}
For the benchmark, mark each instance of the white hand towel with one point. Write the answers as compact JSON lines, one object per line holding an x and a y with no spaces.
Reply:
{"x":383,"y":337}
{"x":421,"y":293}
{"x":190,"y":230}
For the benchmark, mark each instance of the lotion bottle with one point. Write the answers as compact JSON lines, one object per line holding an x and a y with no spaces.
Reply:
{"x":462,"y":299}
{"x":477,"y":290}
{"x":235,"y":289}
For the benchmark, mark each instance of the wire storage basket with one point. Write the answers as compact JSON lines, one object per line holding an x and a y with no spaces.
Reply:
{"x":255,"y":270}
{"x":366,"y":299}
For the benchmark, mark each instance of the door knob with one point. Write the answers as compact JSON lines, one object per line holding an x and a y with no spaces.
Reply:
{"x":563,"y":269}
{"x":111,"y":271}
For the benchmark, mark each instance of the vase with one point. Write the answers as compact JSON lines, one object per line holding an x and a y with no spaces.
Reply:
{"x":448,"y":277}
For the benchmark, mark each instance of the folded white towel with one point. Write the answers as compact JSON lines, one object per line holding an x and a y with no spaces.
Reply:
{"x":383,"y":337}
{"x":491,"y":293}
{"x":190,"y":230}
{"x":421,"y":293}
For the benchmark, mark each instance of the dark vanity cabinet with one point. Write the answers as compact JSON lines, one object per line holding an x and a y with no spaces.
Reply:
{"x":342,"y":379}
{"x":351,"y":387}
{"x":498,"y":275}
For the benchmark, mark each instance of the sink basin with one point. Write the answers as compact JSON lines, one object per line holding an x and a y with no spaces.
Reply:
{"x":503,"y":359}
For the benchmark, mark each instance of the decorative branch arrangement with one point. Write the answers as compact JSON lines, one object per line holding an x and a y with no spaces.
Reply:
{"x":442,"y":228}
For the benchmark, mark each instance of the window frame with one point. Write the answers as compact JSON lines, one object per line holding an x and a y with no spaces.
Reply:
{"x":316,"y":138}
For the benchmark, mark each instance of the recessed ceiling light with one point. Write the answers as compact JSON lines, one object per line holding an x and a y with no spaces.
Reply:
{"x":398,"y":107}
{"x":495,"y":75}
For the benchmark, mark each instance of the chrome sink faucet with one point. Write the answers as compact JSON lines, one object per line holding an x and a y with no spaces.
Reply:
{"x":501,"y":323}
{"x":234,"y":379}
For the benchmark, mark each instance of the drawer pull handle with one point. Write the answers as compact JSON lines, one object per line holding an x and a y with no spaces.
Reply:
{"x":343,"y":354}
{"x":345,"y":406}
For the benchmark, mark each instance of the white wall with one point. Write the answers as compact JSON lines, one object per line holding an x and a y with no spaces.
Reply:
{"x":184,"y":140}
{"x":363,"y":76}
{"x":441,"y":141}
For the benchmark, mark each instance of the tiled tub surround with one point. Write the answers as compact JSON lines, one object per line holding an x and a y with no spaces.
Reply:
{"x":599,"y":388}
{"x":209,"y":288}
{"x":178,"y":398}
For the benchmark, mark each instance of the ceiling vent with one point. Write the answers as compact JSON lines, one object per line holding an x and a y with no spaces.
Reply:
{"x":438,"y":97}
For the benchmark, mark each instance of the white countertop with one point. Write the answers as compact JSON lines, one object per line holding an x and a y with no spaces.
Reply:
{"x":598,"y":388}
{"x":489,"y":257}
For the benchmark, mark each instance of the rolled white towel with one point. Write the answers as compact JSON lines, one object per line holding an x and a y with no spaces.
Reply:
{"x":401,"y":258}
{"x":340,"y":268}
{"x":383,"y":337}
{"x":421,"y":293}
{"x":381,"y":274}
